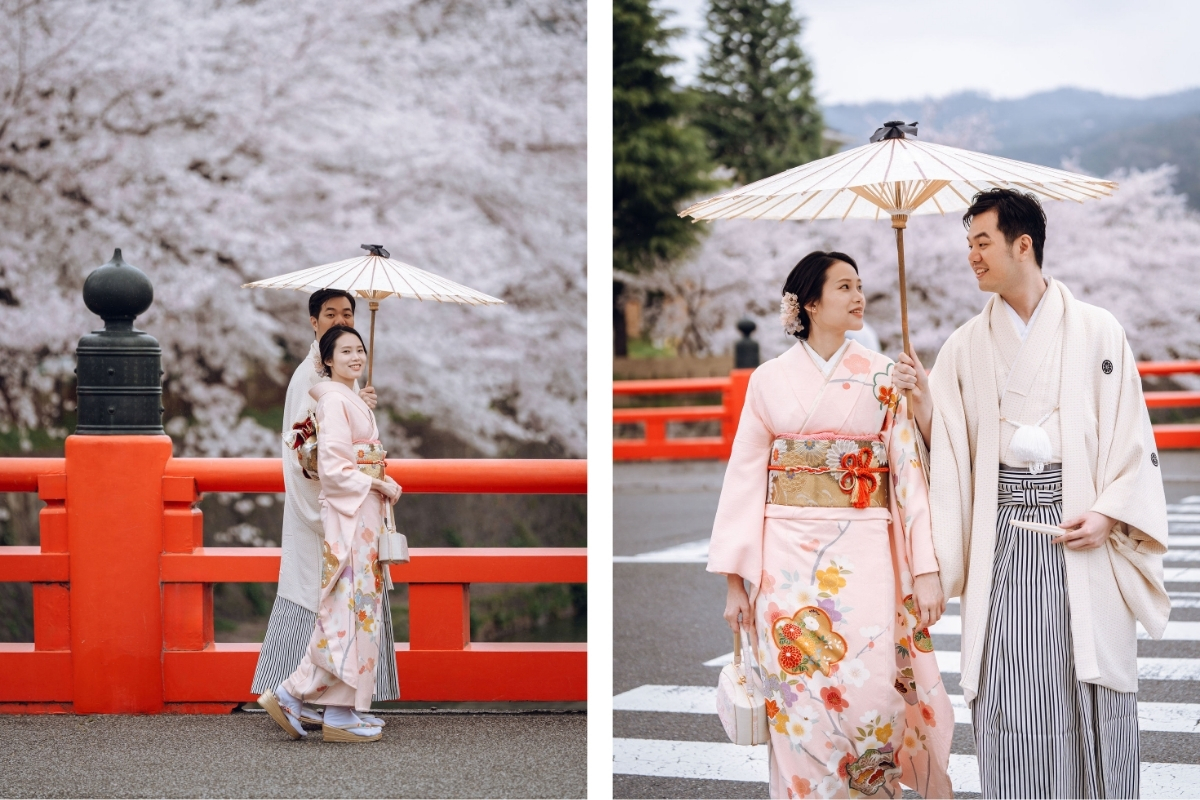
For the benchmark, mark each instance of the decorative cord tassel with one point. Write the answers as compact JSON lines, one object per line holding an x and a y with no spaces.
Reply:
{"x":1032,"y":444}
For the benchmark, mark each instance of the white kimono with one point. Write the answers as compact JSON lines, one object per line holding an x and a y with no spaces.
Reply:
{"x":300,"y":566}
{"x":1076,"y":357}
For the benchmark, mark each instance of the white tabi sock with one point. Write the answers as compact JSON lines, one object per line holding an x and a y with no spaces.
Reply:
{"x":344,"y":717}
{"x":293,"y":707}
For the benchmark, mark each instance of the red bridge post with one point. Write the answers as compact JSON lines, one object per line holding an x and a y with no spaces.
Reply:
{"x":114,"y":515}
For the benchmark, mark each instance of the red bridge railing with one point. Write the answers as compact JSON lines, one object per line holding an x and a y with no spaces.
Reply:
{"x":122,"y":585}
{"x":655,"y":444}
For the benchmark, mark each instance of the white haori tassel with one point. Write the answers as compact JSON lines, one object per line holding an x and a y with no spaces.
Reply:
{"x":1032,"y":445}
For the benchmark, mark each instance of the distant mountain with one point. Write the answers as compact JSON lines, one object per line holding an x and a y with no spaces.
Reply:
{"x":1175,"y":142}
{"x":1098,"y":131}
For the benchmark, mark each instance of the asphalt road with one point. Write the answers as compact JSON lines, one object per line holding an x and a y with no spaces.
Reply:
{"x":667,"y":623}
{"x":447,"y":754}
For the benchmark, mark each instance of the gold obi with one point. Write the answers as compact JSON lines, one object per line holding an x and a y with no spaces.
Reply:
{"x":371,"y":458}
{"x":828,"y":472}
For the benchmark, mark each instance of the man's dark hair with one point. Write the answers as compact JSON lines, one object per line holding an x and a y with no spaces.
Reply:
{"x":329,"y":341}
{"x":1017,"y":214}
{"x":807,"y":282}
{"x":322,"y":296}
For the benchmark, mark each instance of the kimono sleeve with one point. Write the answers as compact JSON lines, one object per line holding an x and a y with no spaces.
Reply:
{"x":343,"y":487}
{"x":736,"y":544}
{"x":1128,"y":474}
{"x":950,"y":474}
{"x":910,"y":492}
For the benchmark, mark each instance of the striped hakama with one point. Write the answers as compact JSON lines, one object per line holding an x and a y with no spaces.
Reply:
{"x":288,"y":631}
{"x":1039,"y":732}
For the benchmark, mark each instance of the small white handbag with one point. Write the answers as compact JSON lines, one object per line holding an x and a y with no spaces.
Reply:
{"x":393,"y":546}
{"x":740,"y":704}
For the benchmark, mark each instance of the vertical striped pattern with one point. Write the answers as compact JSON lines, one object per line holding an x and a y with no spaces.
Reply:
{"x":387,"y":684}
{"x":1038,"y":731}
{"x":288,"y":632}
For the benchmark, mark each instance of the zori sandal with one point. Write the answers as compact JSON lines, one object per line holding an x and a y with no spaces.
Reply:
{"x":311,"y":717}
{"x":373,"y":721}
{"x":334,"y":733}
{"x":280,"y":714}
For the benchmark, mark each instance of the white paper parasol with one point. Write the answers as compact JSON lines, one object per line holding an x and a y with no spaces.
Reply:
{"x":894,"y":176}
{"x":374,"y":277}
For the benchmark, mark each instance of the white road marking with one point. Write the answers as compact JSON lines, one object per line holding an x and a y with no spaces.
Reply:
{"x":1181,"y":575}
{"x":1149,"y":669}
{"x":729,"y":762}
{"x":688,"y":553}
{"x":1166,"y":717}
{"x":951,"y":625}
{"x":697,"y":552}
{"x":668,"y":699}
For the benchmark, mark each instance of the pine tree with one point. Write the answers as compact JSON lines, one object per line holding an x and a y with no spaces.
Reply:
{"x":757,"y":105}
{"x":659,"y":159}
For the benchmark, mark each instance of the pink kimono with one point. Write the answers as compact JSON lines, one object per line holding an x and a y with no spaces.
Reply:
{"x":339,"y":666}
{"x":825,"y":511}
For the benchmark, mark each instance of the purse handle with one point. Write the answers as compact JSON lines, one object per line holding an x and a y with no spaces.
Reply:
{"x":737,"y":658}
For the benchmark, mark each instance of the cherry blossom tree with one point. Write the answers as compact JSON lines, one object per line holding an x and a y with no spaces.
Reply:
{"x":217,"y":143}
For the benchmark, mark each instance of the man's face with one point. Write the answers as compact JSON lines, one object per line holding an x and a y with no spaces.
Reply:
{"x":998,"y":266}
{"x":334,"y":311}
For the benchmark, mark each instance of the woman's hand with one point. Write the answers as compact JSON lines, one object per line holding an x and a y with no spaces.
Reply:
{"x":367,"y":393}
{"x":909,"y":375}
{"x":928,"y":598}
{"x":737,"y":607}
{"x":387,"y":487}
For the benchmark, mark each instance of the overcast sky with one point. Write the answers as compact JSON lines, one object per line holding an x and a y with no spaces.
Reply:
{"x":901,"y":49}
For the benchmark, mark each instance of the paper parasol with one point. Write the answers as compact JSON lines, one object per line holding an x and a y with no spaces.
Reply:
{"x":897,"y":177}
{"x":374,"y":277}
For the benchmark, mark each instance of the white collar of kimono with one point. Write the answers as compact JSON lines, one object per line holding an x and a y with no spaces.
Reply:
{"x":1023,"y":328}
{"x":826,"y":367}
{"x":330,"y":386}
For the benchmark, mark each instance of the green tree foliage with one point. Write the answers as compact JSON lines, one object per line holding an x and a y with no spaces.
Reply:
{"x":659,"y":158}
{"x":757,"y":105}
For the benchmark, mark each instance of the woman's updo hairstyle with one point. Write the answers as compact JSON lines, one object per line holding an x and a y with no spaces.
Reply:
{"x":329,"y":341}
{"x":805,"y":283}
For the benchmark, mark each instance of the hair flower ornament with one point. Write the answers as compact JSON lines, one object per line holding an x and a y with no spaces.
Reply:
{"x":789,"y":313}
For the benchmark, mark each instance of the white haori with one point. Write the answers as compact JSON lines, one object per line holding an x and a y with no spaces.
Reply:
{"x":1076,"y":357}
{"x":303,"y":533}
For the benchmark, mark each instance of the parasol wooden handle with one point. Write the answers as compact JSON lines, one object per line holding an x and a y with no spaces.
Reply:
{"x":374,"y":306}
{"x":899,"y":222}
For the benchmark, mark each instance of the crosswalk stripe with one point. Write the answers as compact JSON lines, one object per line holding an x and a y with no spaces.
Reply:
{"x":1149,"y":669}
{"x":1165,"y":717}
{"x":951,"y":625}
{"x":697,"y":552}
{"x":687,"y":553}
{"x":1182,"y":541}
{"x":1181,"y":575}
{"x":661,"y":758}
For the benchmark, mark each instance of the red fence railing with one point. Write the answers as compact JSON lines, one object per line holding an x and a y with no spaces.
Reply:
{"x":655,"y":444}
{"x":122,"y":585}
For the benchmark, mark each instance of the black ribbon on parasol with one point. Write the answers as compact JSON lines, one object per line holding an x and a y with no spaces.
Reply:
{"x":894,"y":130}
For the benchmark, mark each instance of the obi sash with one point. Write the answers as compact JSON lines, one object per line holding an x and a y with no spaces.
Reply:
{"x":371,"y":458}
{"x":828,"y":471}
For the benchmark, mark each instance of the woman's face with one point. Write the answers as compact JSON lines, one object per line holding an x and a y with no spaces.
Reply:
{"x":349,"y":356}
{"x":842,"y":303}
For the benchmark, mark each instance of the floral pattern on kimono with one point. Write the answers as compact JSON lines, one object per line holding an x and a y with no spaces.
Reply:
{"x":855,"y":700}
{"x":339,"y":666}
